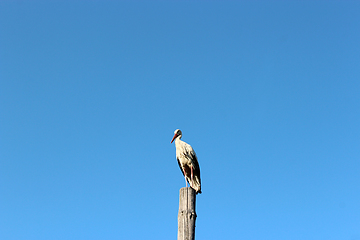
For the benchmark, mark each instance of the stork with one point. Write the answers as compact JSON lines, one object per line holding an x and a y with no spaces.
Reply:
{"x":187,"y":161}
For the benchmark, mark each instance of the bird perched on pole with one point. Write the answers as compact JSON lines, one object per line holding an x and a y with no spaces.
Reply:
{"x":187,"y":161}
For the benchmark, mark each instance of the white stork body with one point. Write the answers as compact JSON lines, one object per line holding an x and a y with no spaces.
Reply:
{"x":187,"y":161}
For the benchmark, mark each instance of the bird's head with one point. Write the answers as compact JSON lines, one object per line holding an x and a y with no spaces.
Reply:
{"x":177,"y":133}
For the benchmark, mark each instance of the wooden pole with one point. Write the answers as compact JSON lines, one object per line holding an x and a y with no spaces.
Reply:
{"x":187,"y":214}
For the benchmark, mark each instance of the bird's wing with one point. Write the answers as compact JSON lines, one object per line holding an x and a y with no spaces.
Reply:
{"x":180,"y":166}
{"x":192,"y":156}
{"x":195,"y":162}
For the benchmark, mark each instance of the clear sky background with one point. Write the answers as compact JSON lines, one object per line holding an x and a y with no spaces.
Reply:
{"x":266,"y":92}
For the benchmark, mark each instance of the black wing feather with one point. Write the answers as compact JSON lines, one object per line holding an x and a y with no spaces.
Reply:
{"x":196,"y":165}
{"x":180,"y":166}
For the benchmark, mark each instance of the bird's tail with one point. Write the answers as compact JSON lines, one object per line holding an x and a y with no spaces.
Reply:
{"x":196,"y":184}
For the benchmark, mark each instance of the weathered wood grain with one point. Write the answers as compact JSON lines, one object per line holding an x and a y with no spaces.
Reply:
{"x":187,"y":214}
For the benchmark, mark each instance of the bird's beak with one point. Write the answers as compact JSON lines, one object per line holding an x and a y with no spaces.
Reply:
{"x":173,"y":138}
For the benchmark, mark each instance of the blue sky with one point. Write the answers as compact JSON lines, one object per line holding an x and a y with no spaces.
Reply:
{"x":267,"y":93}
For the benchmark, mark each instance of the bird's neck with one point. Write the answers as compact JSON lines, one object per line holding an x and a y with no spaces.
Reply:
{"x":177,"y":140}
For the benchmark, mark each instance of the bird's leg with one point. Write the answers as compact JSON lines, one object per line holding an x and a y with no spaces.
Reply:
{"x":185,"y":176}
{"x":191,"y":176}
